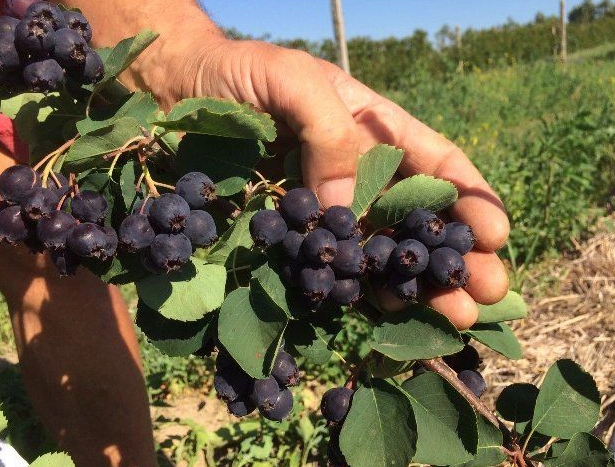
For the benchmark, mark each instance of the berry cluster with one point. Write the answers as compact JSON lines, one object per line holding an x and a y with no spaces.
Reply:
{"x":326,"y":259}
{"x":163,"y":230}
{"x":334,"y":406}
{"x":244,"y":394}
{"x":465,"y":363}
{"x":46,"y":45}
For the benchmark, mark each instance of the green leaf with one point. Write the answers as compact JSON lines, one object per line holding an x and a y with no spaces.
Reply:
{"x":583,"y":450}
{"x":516,"y":402}
{"x":55,"y":459}
{"x":174,"y":338}
{"x":417,"y":332}
{"x":186,"y":295}
{"x":139,"y":105}
{"x":86,"y":152}
{"x":250,"y":327}
{"x":123,"y":54}
{"x":4,"y":423}
{"x":509,"y":308}
{"x":420,"y":191}
{"x":490,"y":440}
{"x":235,"y":240}
{"x":292,"y":165}
{"x":218,"y":117}
{"x":11,"y":106}
{"x":229,"y":162}
{"x":130,"y":172}
{"x":376,"y":169}
{"x":379,"y":430}
{"x":498,"y":337}
{"x":568,"y":401}
{"x":314,"y":338}
{"x":445,"y":422}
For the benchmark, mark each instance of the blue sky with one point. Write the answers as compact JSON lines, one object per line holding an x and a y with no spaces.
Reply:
{"x":310,"y":19}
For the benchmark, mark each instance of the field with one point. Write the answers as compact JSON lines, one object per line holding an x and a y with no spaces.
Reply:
{"x":544,"y":137}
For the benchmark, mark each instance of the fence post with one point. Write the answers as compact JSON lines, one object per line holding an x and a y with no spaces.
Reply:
{"x":564,"y":44}
{"x":340,"y":35}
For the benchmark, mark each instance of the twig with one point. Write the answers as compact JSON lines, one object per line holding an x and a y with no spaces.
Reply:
{"x":351,"y":383}
{"x":60,"y":150}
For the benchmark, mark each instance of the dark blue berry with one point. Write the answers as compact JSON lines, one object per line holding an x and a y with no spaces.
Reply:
{"x":241,"y":407}
{"x":39,"y":203}
{"x":474,"y":381}
{"x":292,"y":245}
{"x":200,"y":229}
{"x":291,"y":272}
{"x":459,"y":237}
{"x":169,"y":213}
{"x":53,"y":231}
{"x":300,"y":208}
{"x":231,"y":383}
{"x":77,"y":22}
{"x":466,"y":359}
{"x":9,"y":57}
{"x":345,"y":291}
{"x":410,"y":257}
{"x":404,"y":287}
{"x":15,"y":182}
{"x":335,"y":404}
{"x":35,"y":37}
{"x":13,"y":228}
{"x":342,"y":222}
{"x":136,"y":233}
{"x":316,"y":282}
{"x":282,"y":407}
{"x":70,"y":49}
{"x":170,"y":251}
{"x":267,"y":228}
{"x":446,"y":269}
{"x":43,"y":76}
{"x":91,"y":71}
{"x":48,"y":12}
{"x":197,"y":189}
{"x":138,"y":208}
{"x":65,"y":261}
{"x":349,"y":262}
{"x":319,"y":246}
{"x":377,"y":252}
{"x":88,"y":240}
{"x":285,"y":369}
{"x":265,"y":392}
{"x":89,"y":206}
{"x":8,"y":25}
{"x":148,"y":263}
{"x":426,"y":227}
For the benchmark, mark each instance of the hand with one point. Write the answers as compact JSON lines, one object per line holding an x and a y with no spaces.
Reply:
{"x":336,"y":118}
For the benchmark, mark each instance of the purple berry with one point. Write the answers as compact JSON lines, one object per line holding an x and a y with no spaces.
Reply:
{"x":285,"y":369}
{"x":89,"y":206}
{"x":342,"y":222}
{"x":13,"y":228}
{"x":459,"y":237}
{"x":197,"y":189}
{"x":426,"y":227}
{"x":319,"y":246}
{"x":316,"y":282}
{"x":377,"y":252}
{"x":200,"y":229}
{"x":345,"y":291}
{"x":335,"y":404}
{"x":15,"y":182}
{"x":77,"y":22}
{"x":53,"y":231}
{"x":300,"y":208}
{"x":136,"y":233}
{"x":267,"y":228}
{"x":169,"y":213}
{"x":43,"y":76}
{"x":170,"y":251}
{"x":70,"y":49}
{"x":409,"y":258}
{"x":349,"y":262}
{"x":447,"y":269}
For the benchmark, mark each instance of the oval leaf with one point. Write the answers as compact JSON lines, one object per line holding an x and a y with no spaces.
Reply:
{"x":186,"y":295}
{"x":583,"y":450}
{"x":416,"y":333}
{"x":420,"y":191}
{"x":445,"y":422}
{"x":314,"y":338}
{"x":509,"y":308}
{"x":490,"y":440}
{"x":54,"y":459}
{"x":516,"y":402}
{"x":568,"y":401}
{"x":379,"y":430}
{"x":498,"y":337}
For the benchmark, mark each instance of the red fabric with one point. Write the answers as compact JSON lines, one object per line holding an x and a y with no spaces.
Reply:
{"x":9,"y":141}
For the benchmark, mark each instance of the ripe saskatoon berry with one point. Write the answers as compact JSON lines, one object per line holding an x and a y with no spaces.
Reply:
{"x":459,"y":237}
{"x":345,"y":291}
{"x":319,"y":246}
{"x":447,"y":269}
{"x":8,"y":24}
{"x":136,"y":233}
{"x":197,"y":189}
{"x":335,"y":404}
{"x":426,"y":227}
{"x":169,"y":213}
{"x":170,"y":251}
{"x":13,"y":228}
{"x":474,"y":381}
{"x":241,"y":407}
{"x":265,"y":392}
{"x":342,"y":222}
{"x":39,"y":203}
{"x":34,"y":37}
{"x":231,"y":383}
{"x":65,"y":261}
{"x":200,"y":229}
{"x":377,"y":252}
{"x":89,"y":206}
{"x":53,"y":231}
{"x":70,"y":49}
{"x":91,"y":71}
{"x":285,"y":369}
{"x":409,"y":258}
{"x":292,"y":245}
{"x":139,"y":209}
{"x":466,"y":359}
{"x":316,"y":282}
{"x":77,"y":22}
{"x":291,"y":272}
{"x":43,"y":76}
{"x":15,"y":182}
{"x":88,"y":240}
{"x":300,"y":209}
{"x":48,"y":12}
{"x":9,"y":57}
{"x":403,"y":287}
{"x":148,"y":263}
{"x":60,"y":188}
{"x":281,"y":408}
{"x":267,"y":228}
{"x":349,"y":262}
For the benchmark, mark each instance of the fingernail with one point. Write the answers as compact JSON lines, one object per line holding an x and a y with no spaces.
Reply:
{"x":336,"y":192}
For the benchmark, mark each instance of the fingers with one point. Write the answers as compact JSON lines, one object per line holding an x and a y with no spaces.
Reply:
{"x":488,"y":282}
